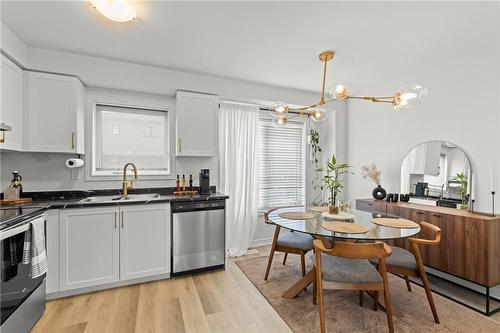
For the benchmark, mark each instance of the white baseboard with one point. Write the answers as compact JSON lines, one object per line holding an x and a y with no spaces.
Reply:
{"x":261,"y":241}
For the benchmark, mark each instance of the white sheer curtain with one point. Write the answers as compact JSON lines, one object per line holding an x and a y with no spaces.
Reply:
{"x":239,"y":172}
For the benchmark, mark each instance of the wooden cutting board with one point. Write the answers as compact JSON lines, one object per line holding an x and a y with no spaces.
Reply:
{"x":185,"y":192}
{"x":395,"y":223}
{"x":296,"y":215}
{"x":20,"y":201}
{"x":345,"y":227}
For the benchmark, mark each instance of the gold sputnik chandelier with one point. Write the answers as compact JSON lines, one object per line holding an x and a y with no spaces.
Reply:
{"x":402,"y":99}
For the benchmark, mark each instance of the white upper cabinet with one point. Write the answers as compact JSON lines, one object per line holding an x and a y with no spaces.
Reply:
{"x":55,"y":113}
{"x":197,"y":124}
{"x":12,"y":112}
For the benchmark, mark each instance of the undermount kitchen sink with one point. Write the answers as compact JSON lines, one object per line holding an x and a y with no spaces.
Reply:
{"x":118,"y":198}
{"x":140,"y":197}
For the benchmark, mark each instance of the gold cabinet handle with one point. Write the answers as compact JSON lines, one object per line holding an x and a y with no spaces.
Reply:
{"x":72,"y":140}
{"x":2,"y":138}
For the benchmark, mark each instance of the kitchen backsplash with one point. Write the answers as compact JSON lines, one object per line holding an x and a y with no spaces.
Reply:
{"x":48,"y":172}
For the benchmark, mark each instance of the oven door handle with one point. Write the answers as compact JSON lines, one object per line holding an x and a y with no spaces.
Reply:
{"x":17,"y":230}
{"x":12,"y":232}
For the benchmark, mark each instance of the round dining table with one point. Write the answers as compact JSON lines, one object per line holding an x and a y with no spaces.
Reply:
{"x":314,"y":227}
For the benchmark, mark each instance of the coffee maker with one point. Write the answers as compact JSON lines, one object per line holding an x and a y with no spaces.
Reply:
{"x":205,"y":181}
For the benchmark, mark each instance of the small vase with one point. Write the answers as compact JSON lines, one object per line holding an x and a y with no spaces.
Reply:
{"x":379,"y":193}
{"x":333,"y":210}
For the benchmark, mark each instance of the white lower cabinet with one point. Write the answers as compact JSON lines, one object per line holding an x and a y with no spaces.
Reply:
{"x":89,"y":247}
{"x":144,"y":241}
{"x":110,"y":244}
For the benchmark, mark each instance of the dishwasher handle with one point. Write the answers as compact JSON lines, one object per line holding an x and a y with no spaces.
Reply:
{"x":179,"y":207}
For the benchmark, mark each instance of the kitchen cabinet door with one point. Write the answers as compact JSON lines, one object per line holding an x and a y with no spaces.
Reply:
{"x":12,"y":112}
{"x":197,"y":124}
{"x":52,"y":251}
{"x":89,"y":247}
{"x":144,"y":240}
{"x":55,"y":113}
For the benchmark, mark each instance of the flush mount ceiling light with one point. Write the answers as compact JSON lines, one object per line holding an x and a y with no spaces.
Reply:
{"x":115,"y":10}
{"x":402,"y":99}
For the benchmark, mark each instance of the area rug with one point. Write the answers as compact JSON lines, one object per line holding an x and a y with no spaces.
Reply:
{"x":411,"y":311}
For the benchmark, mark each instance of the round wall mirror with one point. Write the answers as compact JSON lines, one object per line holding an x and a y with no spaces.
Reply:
{"x":437,"y":173}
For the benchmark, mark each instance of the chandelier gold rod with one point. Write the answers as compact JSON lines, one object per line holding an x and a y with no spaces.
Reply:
{"x":322,"y":100}
{"x":383,"y":99}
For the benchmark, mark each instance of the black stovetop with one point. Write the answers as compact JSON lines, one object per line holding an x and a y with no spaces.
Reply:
{"x":12,"y":215}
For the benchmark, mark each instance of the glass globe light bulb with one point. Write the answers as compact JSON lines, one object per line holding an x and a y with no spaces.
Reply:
{"x":413,"y":95}
{"x":279,"y":109}
{"x":318,"y":115}
{"x":340,"y":90}
{"x":280,"y":122}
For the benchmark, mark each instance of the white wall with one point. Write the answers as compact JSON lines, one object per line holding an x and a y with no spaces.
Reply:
{"x":463,"y":108}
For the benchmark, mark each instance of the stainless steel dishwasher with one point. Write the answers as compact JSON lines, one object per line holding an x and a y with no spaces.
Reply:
{"x":198,"y":236}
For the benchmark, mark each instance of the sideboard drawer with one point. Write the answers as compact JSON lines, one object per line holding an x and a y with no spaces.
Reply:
{"x":369,"y":205}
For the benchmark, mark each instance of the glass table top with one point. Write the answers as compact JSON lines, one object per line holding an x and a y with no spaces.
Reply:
{"x":313,"y":226}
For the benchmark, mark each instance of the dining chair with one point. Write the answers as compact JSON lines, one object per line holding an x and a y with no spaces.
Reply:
{"x":290,"y":242}
{"x":346,"y":267}
{"x":405,"y":263}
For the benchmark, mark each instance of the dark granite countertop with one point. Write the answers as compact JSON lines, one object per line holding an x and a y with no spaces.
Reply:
{"x":75,"y":199}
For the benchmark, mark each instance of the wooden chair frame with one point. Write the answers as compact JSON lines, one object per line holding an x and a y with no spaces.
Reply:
{"x":377,"y":250}
{"x":286,"y":249}
{"x":435,"y":233}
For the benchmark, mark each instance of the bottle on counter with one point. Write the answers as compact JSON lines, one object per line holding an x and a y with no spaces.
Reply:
{"x":15,"y":189}
{"x":190,"y":182}
{"x":178,"y":184}
{"x":183,"y":182}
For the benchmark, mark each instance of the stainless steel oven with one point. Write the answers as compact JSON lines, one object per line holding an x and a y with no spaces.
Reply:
{"x":22,"y":296}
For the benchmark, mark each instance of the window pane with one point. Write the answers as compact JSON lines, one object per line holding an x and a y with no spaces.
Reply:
{"x":281,"y":155}
{"x":131,"y":135}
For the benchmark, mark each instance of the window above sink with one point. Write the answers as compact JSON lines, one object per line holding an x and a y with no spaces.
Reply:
{"x":129,"y":127}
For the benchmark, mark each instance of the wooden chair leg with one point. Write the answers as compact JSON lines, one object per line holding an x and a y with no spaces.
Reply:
{"x":269,"y":264}
{"x":408,"y":285}
{"x":428,"y":292}
{"x":361,"y":298}
{"x":273,"y":248}
{"x":284,"y":259}
{"x":303,"y":263}
{"x":315,"y":288}
{"x":387,"y":297}
{"x":321,"y":304}
{"x":375,"y":300}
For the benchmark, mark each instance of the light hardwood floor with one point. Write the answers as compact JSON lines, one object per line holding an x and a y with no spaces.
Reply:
{"x":219,"y":301}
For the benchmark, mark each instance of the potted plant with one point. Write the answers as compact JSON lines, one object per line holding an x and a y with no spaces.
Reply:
{"x":317,"y":185}
{"x":461,"y":179}
{"x":333,"y":181}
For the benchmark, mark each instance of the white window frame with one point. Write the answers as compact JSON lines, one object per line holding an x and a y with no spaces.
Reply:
{"x":96,"y":96}
{"x":305,"y":170}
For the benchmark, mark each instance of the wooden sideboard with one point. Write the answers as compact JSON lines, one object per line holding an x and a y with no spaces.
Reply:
{"x":470,"y":243}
